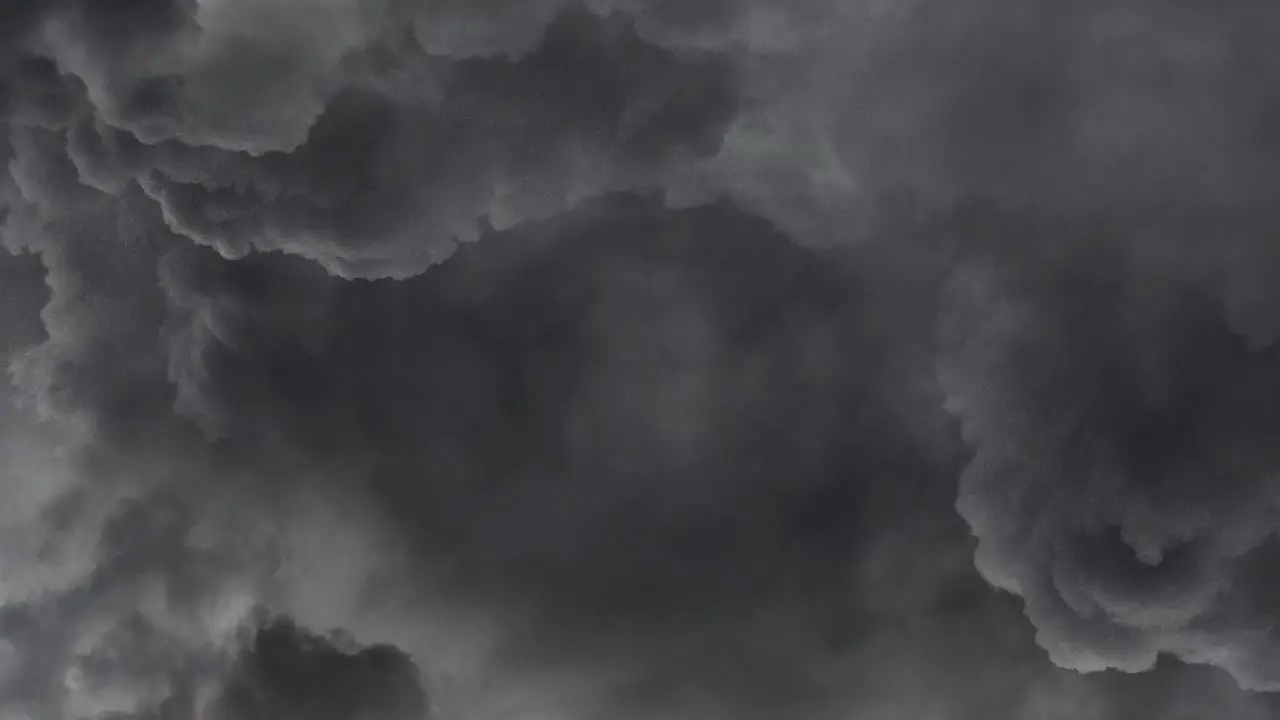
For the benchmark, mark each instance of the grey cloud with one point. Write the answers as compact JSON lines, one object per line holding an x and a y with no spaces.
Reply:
{"x":677,"y":436}
{"x":384,"y":188}
{"x":368,"y":152}
{"x":1085,"y":106}
{"x":1122,"y":477}
{"x":287,"y":672}
{"x":533,"y":342}
{"x":1106,"y":341}
{"x":639,"y":557}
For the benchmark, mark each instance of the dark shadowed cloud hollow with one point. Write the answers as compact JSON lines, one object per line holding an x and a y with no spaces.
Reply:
{"x":640,"y":360}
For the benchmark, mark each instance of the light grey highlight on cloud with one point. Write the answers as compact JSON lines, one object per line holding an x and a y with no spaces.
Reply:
{"x":639,"y":358}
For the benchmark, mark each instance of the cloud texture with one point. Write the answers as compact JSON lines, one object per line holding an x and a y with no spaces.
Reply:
{"x":390,"y":359}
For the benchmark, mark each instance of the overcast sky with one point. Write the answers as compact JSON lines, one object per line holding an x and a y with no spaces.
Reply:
{"x":640,"y":360}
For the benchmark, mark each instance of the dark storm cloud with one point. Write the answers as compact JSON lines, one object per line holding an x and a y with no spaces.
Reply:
{"x":287,"y":672}
{"x":1087,"y":106}
{"x":339,"y":136}
{"x":673,"y":396}
{"x":1107,"y":333}
{"x":642,"y":450}
{"x":347,"y":134}
{"x":1123,"y":481}
{"x":505,"y":141}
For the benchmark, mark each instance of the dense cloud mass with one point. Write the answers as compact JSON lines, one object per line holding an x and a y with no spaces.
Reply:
{"x":285,"y":672}
{"x":395,"y":359}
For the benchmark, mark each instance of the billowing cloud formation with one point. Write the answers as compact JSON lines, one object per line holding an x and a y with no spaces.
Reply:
{"x":1107,"y":333}
{"x":606,"y":536}
{"x":737,"y":296}
{"x":1123,"y":481}
{"x":339,"y":132}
